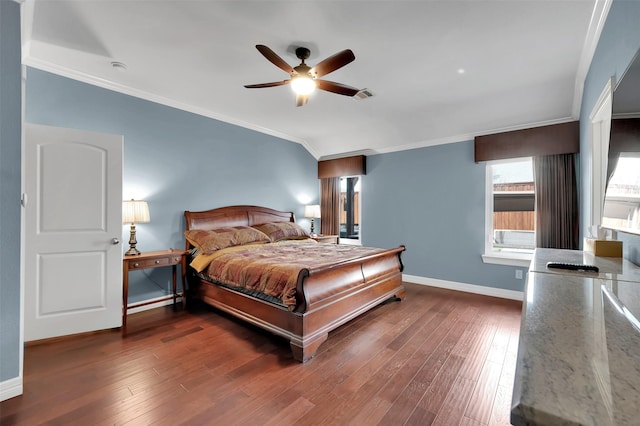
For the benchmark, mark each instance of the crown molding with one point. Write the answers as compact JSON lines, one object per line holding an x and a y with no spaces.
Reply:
{"x":471,"y":136}
{"x":598,"y":17}
{"x":126,"y":90}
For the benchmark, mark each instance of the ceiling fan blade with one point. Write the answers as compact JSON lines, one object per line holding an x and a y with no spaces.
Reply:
{"x":275,"y":59}
{"x":332,"y":63}
{"x":261,"y":85}
{"x":301,"y":100}
{"x":341,"y":89}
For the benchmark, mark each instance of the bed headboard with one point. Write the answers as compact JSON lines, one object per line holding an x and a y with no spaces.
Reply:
{"x":235,"y":216}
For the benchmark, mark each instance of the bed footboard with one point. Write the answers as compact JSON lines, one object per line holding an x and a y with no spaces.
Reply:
{"x":337,"y":294}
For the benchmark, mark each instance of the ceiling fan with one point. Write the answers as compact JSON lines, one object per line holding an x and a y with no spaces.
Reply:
{"x":304,"y":79}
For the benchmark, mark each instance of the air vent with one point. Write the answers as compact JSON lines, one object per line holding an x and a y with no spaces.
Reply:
{"x":363,"y":94}
{"x":119,"y":66}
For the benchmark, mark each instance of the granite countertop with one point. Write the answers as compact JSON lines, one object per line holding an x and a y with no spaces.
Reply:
{"x":612,"y":268}
{"x":579,"y":350}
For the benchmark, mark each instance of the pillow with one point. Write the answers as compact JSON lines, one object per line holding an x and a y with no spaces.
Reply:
{"x":208,"y":241}
{"x":201,"y":261}
{"x":279,"y":231}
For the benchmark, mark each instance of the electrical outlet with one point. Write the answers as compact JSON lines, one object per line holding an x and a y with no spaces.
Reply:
{"x":518,"y":274}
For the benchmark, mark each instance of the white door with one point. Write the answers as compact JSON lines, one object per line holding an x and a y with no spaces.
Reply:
{"x":73,"y":211}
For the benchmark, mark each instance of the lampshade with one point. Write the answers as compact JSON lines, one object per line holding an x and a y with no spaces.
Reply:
{"x":312,"y":210}
{"x":135,"y":211}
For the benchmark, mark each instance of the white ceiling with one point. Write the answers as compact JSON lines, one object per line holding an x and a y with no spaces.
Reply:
{"x":524,"y":62}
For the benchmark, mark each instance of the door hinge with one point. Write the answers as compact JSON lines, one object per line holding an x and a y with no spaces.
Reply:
{"x":23,"y":200}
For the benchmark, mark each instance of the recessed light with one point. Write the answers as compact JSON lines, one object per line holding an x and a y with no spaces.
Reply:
{"x":119,"y":66}
{"x":461,"y":71}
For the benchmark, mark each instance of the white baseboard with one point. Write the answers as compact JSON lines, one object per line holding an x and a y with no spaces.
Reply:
{"x":468,"y":288}
{"x":160,"y":303}
{"x":10,"y":388}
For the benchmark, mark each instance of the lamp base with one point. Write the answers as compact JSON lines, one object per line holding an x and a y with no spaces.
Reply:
{"x":132,"y":252}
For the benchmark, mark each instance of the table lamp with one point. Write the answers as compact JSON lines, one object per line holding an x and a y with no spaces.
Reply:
{"x":312,"y":211}
{"x":134,"y":211}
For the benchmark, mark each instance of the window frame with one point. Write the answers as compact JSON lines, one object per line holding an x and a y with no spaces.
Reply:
{"x":612,"y":198}
{"x":522,"y":259}
{"x":353,"y":241}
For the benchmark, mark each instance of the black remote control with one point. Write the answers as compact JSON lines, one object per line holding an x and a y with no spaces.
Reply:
{"x":573,"y":266}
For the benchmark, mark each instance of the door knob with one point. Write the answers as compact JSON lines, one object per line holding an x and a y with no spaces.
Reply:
{"x":115,"y":241}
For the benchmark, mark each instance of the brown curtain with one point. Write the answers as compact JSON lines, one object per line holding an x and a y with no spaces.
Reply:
{"x":556,"y":201}
{"x":330,"y":206}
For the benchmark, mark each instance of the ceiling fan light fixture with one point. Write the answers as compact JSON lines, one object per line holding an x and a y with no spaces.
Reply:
{"x":305,"y":79}
{"x":303,"y":85}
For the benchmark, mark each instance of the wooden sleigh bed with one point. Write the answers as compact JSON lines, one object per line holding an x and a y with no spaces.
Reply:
{"x":325,"y":297}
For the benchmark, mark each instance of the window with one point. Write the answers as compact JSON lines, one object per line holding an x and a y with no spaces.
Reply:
{"x":622,"y":202}
{"x":350,"y":209}
{"x":510,"y":206}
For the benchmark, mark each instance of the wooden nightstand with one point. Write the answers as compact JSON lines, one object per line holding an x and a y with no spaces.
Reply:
{"x":329,"y":239}
{"x":148,"y":260}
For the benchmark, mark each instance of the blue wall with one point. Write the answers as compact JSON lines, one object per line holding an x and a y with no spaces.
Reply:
{"x":10,"y":145}
{"x":177,"y":161}
{"x":618,"y":44}
{"x":433,"y":201}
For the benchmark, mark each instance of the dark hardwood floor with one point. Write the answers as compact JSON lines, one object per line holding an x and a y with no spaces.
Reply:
{"x":438,"y":357}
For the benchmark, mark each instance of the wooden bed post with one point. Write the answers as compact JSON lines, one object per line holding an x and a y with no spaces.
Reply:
{"x":304,"y":352}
